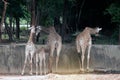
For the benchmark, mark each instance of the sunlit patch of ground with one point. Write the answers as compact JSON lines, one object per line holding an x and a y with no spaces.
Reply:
{"x":64,"y":77}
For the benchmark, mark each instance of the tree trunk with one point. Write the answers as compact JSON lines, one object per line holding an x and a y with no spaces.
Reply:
{"x":57,"y":23}
{"x":37,"y":23}
{"x":64,"y":24}
{"x":119,"y":34}
{"x":33,"y":20}
{"x":17,"y":28}
{"x":78,"y":17}
{"x":3,"y":17}
{"x":9,"y":31}
{"x":33,"y":14}
{"x":10,"y":20}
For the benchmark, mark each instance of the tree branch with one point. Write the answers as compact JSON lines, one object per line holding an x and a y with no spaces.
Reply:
{"x":5,"y":1}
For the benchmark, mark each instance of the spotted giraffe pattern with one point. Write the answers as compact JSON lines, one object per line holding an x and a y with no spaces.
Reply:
{"x":84,"y":42}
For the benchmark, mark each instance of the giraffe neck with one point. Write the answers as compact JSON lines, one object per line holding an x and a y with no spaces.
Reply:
{"x":31,"y":37}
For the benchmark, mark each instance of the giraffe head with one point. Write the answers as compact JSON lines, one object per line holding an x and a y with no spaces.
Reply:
{"x":32,"y":29}
{"x":94,"y":30}
{"x":97,"y":30}
{"x":38,"y":29}
{"x":35,"y":29}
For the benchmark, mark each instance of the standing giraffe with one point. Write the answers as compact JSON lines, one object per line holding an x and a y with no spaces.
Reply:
{"x":29,"y":50}
{"x":84,"y":42}
{"x":41,"y":59}
{"x":54,"y":42}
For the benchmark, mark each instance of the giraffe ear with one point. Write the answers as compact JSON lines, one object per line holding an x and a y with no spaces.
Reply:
{"x":39,"y":27}
{"x":99,"y":29}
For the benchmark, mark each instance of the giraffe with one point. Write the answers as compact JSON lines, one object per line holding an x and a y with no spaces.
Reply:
{"x":41,"y":59}
{"x":54,"y":42}
{"x":29,"y":50}
{"x":84,"y":42}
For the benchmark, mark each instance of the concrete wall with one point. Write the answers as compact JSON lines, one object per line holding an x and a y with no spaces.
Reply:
{"x":102,"y":57}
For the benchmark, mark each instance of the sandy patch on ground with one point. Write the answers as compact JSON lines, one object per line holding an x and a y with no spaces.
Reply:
{"x":64,"y":77}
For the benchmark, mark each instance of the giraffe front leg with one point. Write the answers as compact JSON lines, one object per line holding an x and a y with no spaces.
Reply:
{"x":25,"y":62}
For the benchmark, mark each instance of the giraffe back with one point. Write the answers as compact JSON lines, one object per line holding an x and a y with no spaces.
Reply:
{"x":54,"y":37}
{"x":84,"y":38}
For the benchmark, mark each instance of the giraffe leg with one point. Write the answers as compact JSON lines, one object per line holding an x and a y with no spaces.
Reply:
{"x":44,"y":66}
{"x":88,"y":56}
{"x":79,"y":54}
{"x":51,"y":58}
{"x":36,"y":64}
{"x":83,"y":57}
{"x":50,"y":64}
{"x":58,"y":53}
{"x":80,"y":62}
{"x":57,"y":59}
{"x":40,"y":66}
{"x":25,"y":62}
{"x":31,"y":65}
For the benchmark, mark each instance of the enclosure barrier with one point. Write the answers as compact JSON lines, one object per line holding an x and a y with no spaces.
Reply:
{"x":102,"y":57}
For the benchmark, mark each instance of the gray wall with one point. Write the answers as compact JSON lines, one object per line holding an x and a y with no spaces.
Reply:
{"x":102,"y":57}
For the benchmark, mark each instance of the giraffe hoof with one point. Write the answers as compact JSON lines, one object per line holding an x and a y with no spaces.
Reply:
{"x":30,"y":73}
{"x":44,"y":73}
{"x":36,"y":73}
{"x":90,"y":70}
{"x":50,"y":71}
{"x":22,"y":74}
{"x":82,"y":70}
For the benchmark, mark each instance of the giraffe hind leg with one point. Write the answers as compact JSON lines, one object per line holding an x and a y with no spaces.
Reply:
{"x":58,"y":54}
{"x":36,"y":64}
{"x":52,"y":48}
{"x":80,"y":61}
{"x":31,"y":65}
{"x":83,"y":57}
{"x":44,"y":67}
{"x":88,"y":57}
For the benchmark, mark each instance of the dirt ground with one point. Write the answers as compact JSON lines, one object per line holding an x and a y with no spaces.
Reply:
{"x":63,"y":77}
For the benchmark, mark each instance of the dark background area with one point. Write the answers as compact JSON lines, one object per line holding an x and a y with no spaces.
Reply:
{"x":68,"y":17}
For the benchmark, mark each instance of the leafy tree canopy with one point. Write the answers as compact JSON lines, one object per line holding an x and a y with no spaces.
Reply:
{"x":17,"y":8}
{"x":114,"y":11}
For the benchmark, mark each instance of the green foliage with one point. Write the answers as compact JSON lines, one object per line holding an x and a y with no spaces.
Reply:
{"x":115,"y":34}
{"x":49,"y":9}
{"x":17,"y":8}
{"x":23,"y":28}
{"x":114,"y":11}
